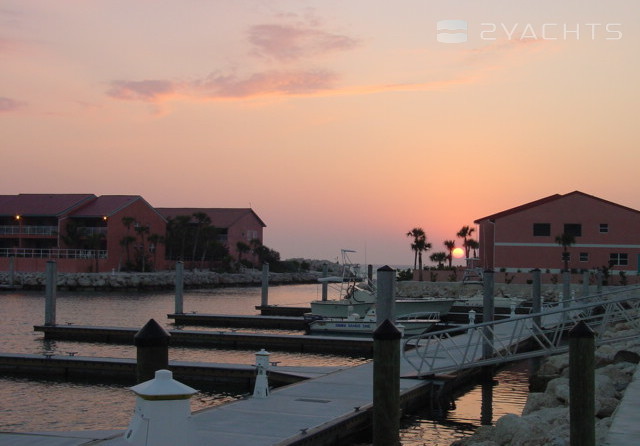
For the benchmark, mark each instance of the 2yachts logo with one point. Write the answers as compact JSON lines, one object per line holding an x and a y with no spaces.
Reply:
{"x":457,"y":31}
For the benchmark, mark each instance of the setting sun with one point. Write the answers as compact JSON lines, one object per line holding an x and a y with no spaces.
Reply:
{"x":458,"y":253}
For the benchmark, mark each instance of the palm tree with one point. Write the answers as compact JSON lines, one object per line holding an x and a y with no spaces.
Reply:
{"x":242,"y":248}
{"x":439,"y":258}
{"x":473,"y":244}
{"x":450,"y":244}
{"x":565,"y":240}
{"x":141,"y":231}
{"x":202,"y":221}
{"x":418,"y":234}
{"x":465,"y":234}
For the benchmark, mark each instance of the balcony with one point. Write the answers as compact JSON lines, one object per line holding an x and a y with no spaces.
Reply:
{"x":28,"y":230}
{"x":53,"y":253}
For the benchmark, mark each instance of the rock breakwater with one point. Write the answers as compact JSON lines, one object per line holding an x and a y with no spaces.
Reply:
{"x":155,"y":281}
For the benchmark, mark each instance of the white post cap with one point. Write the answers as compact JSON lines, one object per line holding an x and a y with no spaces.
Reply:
{"x":163,"y":387}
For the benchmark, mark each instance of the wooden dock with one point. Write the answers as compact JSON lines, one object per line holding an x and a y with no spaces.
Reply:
{"x":330,"y":409}
{"x":350,"y":346}
{"x":74,"y":368}
{"x":225,"y":320}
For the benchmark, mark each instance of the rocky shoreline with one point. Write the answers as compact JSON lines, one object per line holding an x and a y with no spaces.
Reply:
{"x":162,"y":280}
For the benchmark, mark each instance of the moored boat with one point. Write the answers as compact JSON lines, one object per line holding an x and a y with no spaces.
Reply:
{"x":354,"y":324}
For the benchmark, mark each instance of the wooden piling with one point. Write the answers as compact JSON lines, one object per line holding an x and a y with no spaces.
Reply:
{"x":152,"y":350}
{"x":582,"y":385}
{"x":50,"y":294}
{"x":487,"y":313}
{"x":179,"y":287}
{"x":386,"y":293}
{"x":566,"y":288}
{"x":265,"y":285}
{"x":536,"y":296}
{"x":386,"y":384}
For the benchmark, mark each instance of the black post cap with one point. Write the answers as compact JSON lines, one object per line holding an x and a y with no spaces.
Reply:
{"x":385,"y":268}
{"x":151,"y":335}
{"x":581,"y":330}
{"x":387,"y":331}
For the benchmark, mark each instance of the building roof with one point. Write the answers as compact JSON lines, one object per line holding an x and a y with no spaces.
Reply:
{"x":105,"y":205}
{"x":41,"y":205}
{"x":220,"y":217}
{"x":546,"y":200}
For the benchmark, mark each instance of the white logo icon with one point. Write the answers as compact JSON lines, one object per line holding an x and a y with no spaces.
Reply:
{"x":452,"y":31}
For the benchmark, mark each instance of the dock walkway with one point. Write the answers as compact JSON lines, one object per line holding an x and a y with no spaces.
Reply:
{"x":322,"y":410}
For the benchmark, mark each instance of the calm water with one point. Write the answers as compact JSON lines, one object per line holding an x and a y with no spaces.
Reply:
{"x":35,"y":405}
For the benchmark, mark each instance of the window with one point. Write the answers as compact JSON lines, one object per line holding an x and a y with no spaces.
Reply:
{"x":618,"y":259}
{"x":584,"y":256}
{"x":604,"y":228}
{"x":574,"y":229}
{"x":541,"y":229}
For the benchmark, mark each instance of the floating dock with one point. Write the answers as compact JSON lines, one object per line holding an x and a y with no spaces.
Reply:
{"x":71,"y":368}
{"x":226,"y":320}
{"x":350,"y":346}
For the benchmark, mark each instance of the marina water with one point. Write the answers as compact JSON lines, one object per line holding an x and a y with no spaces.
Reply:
{"x":30,"y":405}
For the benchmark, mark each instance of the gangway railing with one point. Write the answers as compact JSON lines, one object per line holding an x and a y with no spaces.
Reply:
{"x":524,"y":336}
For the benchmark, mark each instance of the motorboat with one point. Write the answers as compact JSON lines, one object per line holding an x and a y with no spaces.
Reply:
{"x":358,"y":295}
{"x":354,"y":324}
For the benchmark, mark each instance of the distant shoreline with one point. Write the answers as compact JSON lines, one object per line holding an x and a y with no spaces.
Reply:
{"x":162,"y":280}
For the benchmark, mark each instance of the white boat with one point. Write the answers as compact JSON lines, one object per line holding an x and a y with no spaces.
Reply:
{"x":410,"y":325}
{"x":359,"y":296}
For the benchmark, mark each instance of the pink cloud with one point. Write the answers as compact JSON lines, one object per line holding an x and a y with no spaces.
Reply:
{"x":298,"y":82}
{"x":8,"y":105}
{"x":146,"y":90}
{"x":287,"y":43}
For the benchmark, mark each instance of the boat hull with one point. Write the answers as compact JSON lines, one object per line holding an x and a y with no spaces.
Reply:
{"x":365,"y":328}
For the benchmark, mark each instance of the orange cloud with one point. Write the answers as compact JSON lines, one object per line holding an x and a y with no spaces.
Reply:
{"x":294,"y":82}
{"x":146,"y":90}
{"x":287,"y":43}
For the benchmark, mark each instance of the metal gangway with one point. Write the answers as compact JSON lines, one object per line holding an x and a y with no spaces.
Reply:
{"x":524,"y":336}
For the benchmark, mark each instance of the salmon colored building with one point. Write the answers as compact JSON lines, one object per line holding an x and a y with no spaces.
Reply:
{"x":81,"y":232}
{"x":233,"y":225}
{"x":523,"y":238}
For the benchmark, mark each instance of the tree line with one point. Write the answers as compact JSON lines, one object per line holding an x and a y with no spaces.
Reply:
{"x":420,"y":245}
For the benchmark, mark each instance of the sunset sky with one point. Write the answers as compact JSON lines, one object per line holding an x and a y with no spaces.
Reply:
{"x":343,"y":124}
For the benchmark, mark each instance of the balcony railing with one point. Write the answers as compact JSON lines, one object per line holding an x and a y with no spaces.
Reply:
{"x":92,"y":231}
{"x":28,"y":230}
{"x":53,"y":253}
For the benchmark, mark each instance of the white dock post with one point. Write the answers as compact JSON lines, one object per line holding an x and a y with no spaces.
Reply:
{"x":179,"y":287}
{"x":325,"y":285}
{"x":599,"y":281}
{"x":162,"y":416}
{"x":386,"y":295}
{"x":265,"y":285}
{"x":50,"y":294}
{"x":487,"y":313}
{"x":261,"y":388}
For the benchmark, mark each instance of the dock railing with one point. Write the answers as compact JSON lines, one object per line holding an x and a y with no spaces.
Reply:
{"x":524,"y":336}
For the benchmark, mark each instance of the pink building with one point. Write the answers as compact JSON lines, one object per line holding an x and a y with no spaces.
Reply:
{"x":523,"y":238}
{"x":233,"y":225}
{"x":81,"y":232}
